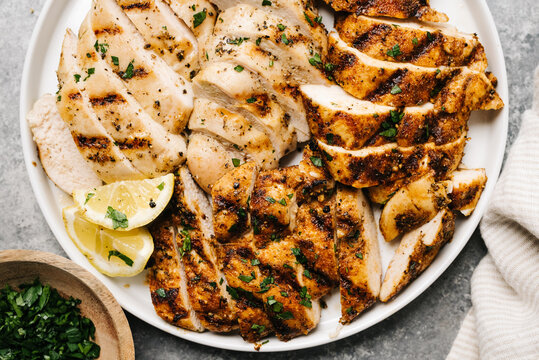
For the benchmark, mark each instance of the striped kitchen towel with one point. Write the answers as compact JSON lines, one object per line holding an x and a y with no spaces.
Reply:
{"x":504,"y":320}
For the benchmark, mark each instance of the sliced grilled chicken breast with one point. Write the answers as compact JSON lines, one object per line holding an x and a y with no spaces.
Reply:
{"x":300,"y":13}
{"x":241,"y":91}
{"x":164,"y":33}
{"x":416,"y":252}
{"x":287,"y":43}
{"x":230,"y":199}
{"x":467,"y":185}
{"x":94,"y":143}
{"x":209,"y":159}
{"x":166,"y":96}
{"x":149,"y":147}
{"x":381,"y":194}
{"x":401,"y":9}
{"x":209,"y":117}
{"x":199,"y":15}
{"x":415,"y":43}
{"x":452,"y":89}
{"x":167,"y":279}
{"x":61,"y":159}
{"x":358,"y":251}
{"x":337,"y":118}
{"x":372,"y":166}
{"x":412,"y":206}
{"x":191,"y":213}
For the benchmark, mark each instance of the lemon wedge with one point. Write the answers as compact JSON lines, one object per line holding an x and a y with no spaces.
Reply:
{"x":126,"y":205}
{"x":113,"y":253}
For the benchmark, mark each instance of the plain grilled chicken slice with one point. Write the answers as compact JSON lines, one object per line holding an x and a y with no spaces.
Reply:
{"x":298,"y":13}
{"x":337,"y":118}
{"x":167,"y":279}
{"x":451,"y":89}
{"x":211,"y":118}
{"x":372,"y":166}
{"x":164,"y":33}
{"x":416,"y":252}
{"x":467,"y":187}
{"x":241,"y":91}
{"x":358,"y":251}
{"x":191,"y":213}
{"x":209,"y":159}
{"x":166,"y":96}
{"x":410,"y":42}
{"x":412,"y":206}
{"x":199,"y":15}
{"x":230,"y":200}
{"x":61,"y":159}
{"x":400,"y":9}
{"x":287,"y":43}
{"x":92,"y":140}
{"x":150,"y":148}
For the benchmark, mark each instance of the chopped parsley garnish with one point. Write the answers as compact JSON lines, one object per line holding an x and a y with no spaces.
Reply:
{"x":286,"y":266}
{"x":284,"y":39}
{"x":318,"y":19}
{"x":287,"y":315}
{"x":265,"y":284}
{"x":394,"y":51}
{"x":115,"y":60}
{"x":315,"y":60}
{"x":284,"y":294}
{"x":77,"y":78}
{"x":119,"y":219}
{"x":237,"y":41}
{"x":349,"y":310}
{"x":161,"y":292}
{"x":305,"y":298}
{"x":238,"y":68}
{"x":300,"y":258}
{"x":281,"y":27}
{"x":161,"y":186}
{"x":308,"y":19}
{"x":236,"y":162}
{"x":389,"y":133}
{"x":275,"y":305}
{"x":129,"y":71}
{"x":266,"y":3}
{"x":415,"y":41}
{"x":271,"y":63}
{"x":198,"y":18}
{"x":258,"y":328}
{"x":221,"y":281}
{"x":329,"y":138}
{"x":307,"y":273}
{"x":88,"y":197}
{"x":270,"y":200}
{"x":246,"y":278}
{"x":282,"y":202}
{"x":233,"y":292}
{"x":258,"y":41}
{"x":251,"y":100}
{"x":127,"y":260}
{"x":89,"y":73}
{"x":359,"y":255}
{"x":101,"y":48}
{"x":290,"y":196}
{"x":429,"y":36}
{"x":316,"y":161}
{"x":255,"y":262}
{"x":396,"y":90}
{"x":186,"y":245}
{"x":329,"y":67}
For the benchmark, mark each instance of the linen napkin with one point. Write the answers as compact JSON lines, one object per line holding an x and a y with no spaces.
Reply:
{"x":504,"y":320}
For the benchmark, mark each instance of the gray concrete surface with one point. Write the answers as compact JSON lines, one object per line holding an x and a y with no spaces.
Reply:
{"x":425,"y":329}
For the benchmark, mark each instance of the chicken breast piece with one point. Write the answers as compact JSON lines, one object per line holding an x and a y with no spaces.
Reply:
{"x":61,"y":159}
{"x":167,"y":279}
{"x":372,"y":166}
{"x":410,"y":42}
{"x":166,"y":96}
{"x":467,"y":185}
{"x":150,"y":148}
{"x":209,"y":159}
{"x":215,"y":120}
{"x":92,"y":140}
{"x":231,"y":195}
{"x":451,"y":89}
{"x":360,"y":268}
{"x":298,"y":13}
{"x":164,"y":33}
{"x":337,"y":118}
{"x":242,"y":92}
{"x":191,"y":213}
{"x":412,"y":206}
{"x":401,"y":9}
{"x":416,"y":252}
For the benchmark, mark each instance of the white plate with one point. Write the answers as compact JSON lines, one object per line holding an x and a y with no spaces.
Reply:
{"x":488,"y":132}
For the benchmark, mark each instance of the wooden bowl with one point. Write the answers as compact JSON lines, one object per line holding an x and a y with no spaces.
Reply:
{"x":113,"y":334}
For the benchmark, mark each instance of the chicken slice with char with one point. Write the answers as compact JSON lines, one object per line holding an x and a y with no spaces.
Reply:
{"x":452,"y":89}
{"x":164,"y":33}
{"x":410,"y":42}
{"x":166,"y":96}
{"x":360,"y":266}
{"x":230,"y":200}
{"x":92,"y":140}
{"x":215,"y":120}
{"x":191,"y":214}
{"x":300,"y":13}
{"x":150,"y":148}
{"x":372,"y":166}
{"x":337,"y":118}
{"x":400,"y":9}
{"x":416,"y":252}
{"x":412,"y":206}
{"x":467,"y":187}
{"x":167,"y":279}
{"x":242,"y":92}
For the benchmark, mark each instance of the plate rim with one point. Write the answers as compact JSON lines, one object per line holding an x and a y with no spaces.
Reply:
{"x":36,"y":175}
